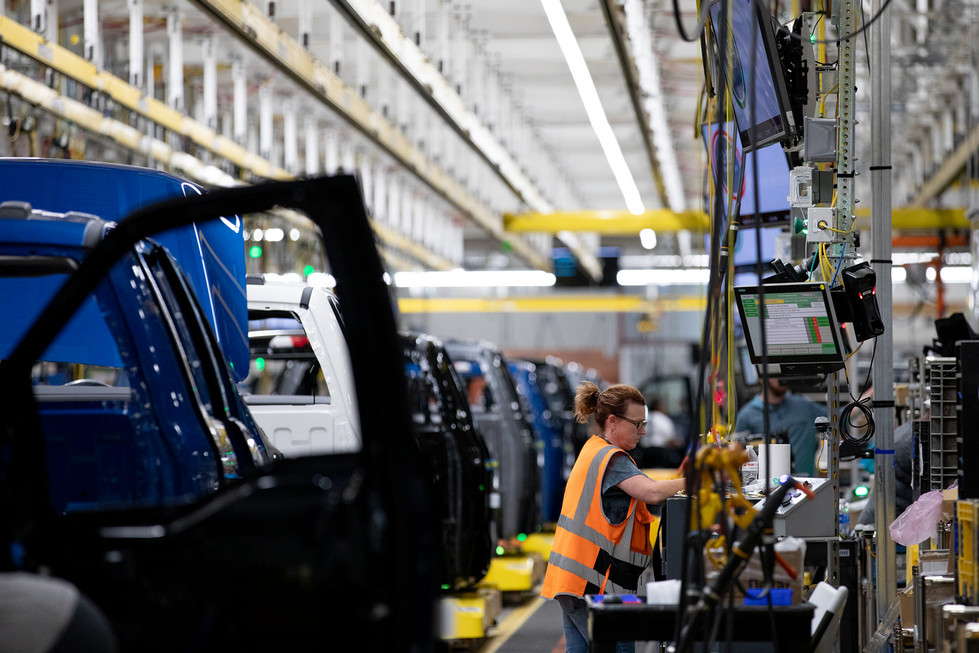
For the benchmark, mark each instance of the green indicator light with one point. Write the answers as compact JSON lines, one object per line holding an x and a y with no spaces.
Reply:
{"x":260,"y":364}
{"x":445,"y":586}
{"x":522,"y":537}
{"x":861,"y":491}
{"x":812,"y":38}
{"x":481,"y":487}
{"x":308,"y":270}
{"x":500,"y":550}
{"x":254,"y":251}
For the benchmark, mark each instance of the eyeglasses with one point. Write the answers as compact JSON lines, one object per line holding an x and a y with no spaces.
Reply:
{"x":640,"y":424}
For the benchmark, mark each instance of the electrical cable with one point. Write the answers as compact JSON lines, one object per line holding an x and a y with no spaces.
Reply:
{"x":850,"y":431}
{"x":839,"y":264}
{"x":836,"y":41}
{"x":701,"y":22}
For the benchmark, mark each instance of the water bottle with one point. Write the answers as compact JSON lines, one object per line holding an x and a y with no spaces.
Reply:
{"x":844,"y":517}
{"x":749,"y":471}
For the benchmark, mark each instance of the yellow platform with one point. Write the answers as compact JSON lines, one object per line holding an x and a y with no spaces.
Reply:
{"x":539,"y":543}
{"x":468,"y":615}
{"x":514,"y":572}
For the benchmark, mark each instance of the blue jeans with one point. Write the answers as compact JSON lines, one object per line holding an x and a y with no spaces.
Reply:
{"x":575,"y":611}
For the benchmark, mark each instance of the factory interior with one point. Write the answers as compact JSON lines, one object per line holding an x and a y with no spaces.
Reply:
{"x":347,"y":413}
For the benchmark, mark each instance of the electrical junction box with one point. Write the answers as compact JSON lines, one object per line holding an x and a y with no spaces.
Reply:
{"x":820,"y":139}
{"x":825,"y":215}
{"x":800,"y":516}
{"x":800,"y":187}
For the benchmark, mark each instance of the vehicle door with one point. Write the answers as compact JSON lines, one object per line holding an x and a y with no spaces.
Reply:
{"x":294,"y":551}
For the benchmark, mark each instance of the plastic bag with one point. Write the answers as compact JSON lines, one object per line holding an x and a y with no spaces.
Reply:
{"x":919,"y":521}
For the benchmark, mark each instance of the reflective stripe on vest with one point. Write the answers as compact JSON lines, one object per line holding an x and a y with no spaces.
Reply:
{"x":584,"y":559}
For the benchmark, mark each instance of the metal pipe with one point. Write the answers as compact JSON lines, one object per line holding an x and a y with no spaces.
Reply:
{"x":883,"y":371}
{"x":175,"y":63}
{"x":136,"y":77}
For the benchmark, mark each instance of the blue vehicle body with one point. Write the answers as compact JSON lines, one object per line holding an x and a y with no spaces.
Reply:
{"x":557,"y":450}
{"x":212,"y":254}
{"x":121,"y":410}
{"x":235,"y":554}
{"x":509,"y":435}
{"x":447,"y":434}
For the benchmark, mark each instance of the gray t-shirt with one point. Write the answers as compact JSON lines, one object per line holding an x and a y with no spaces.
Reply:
{"x":615,"y":501}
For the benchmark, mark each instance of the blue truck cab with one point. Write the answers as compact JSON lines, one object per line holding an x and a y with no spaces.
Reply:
{"x":129,"y":464}
{"x":135,"y":411}
{"x":212,"y":254}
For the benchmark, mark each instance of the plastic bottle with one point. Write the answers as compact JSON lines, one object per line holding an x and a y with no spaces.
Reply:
{"x":749,"y":471}
{"x":844,"y":517}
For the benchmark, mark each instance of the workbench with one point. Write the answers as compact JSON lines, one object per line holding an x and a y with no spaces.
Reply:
{"x":612,"y":622}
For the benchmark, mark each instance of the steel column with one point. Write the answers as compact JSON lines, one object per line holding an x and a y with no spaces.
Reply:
{"x":883,"y":371}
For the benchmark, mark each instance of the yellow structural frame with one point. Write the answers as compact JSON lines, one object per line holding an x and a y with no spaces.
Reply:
{"x":606,"y":222}
{"x":553,"y":304}
{"x":620,"y":223}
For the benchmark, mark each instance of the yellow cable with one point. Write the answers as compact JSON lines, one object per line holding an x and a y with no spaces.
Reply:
{"x":825,"y":96}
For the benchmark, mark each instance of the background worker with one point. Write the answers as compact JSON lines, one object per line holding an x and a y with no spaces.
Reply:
{"x":602,"y":541}
{"x":786,"y":412}
{"x":660,"y":445}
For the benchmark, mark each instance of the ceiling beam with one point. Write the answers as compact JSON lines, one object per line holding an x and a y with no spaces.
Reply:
{"x":71,"y":65}
{"x":912,"y":218}
{"x":607,"y":222}
{"x":614,"y":19}
{"x":133,"y":140}
{"x":949,"y":171}
{"x":247,"y":23}
{"x":556,"y":303}
{"x":379,"y":29}
{"x":618,"y":223}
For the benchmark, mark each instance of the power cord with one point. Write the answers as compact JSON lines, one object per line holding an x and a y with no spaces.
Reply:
{"x":850,"y":431}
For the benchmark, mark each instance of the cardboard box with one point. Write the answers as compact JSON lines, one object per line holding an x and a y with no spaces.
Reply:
{"x":949,"y":497}
{"x":906,"y":597}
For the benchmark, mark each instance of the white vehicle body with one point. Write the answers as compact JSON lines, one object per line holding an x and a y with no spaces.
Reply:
{"x":310,"y":423}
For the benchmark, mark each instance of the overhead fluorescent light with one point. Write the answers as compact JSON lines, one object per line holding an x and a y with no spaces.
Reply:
{"x":952,"y":274}
{"x":647,"y":238}
{"x":684,"y":277}
{"x":593,"y":104}
{"x":474,"y":279}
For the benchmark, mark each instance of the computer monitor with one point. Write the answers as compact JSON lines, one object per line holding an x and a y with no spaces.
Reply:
{"x":802,"y":334}
{"x":736,"y":186}
{"x":757,"y":83}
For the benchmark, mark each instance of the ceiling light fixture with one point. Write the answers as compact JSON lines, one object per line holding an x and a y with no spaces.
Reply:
{"x":682,"y":277}
{"x":593,"y":104}
{"x":647,"y":65}
{"x":474,"y":279}
{"x":647,"y":238}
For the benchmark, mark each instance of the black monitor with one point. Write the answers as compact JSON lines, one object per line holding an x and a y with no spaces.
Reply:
{"x":762,"y":116}
{"x":736,"y":183}
{"x":802,"y":334}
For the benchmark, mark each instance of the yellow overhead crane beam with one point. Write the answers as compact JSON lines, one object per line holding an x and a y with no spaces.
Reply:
{"x":555,"y":303}
{"x":606,"y":222}
{"x":914,"y":218}
{"x":618,"y":223}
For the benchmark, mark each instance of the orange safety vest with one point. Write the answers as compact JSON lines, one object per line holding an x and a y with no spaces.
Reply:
{"x":590,"y":555}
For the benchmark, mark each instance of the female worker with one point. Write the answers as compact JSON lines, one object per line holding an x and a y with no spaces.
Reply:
{"x":602,"y":541}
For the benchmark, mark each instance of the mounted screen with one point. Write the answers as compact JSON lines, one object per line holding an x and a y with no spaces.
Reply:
{"x":802,"y":334}
{"x":754,"y":73}
{"x":735,"y":172}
